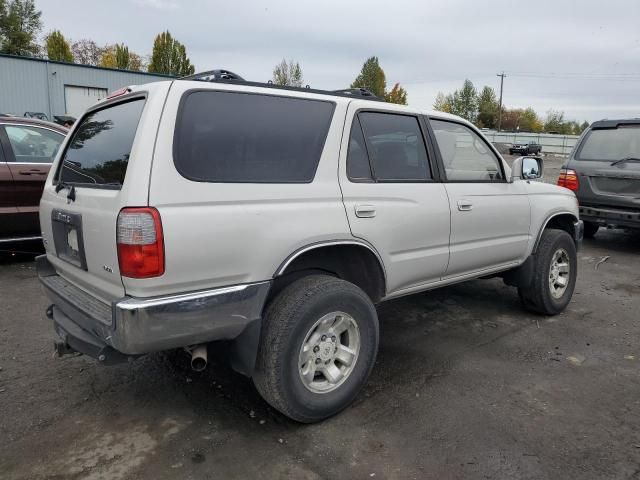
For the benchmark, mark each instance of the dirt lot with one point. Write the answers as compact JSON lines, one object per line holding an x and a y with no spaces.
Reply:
{"x":467,"y":385}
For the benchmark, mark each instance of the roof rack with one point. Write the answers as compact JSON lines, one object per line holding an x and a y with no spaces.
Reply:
{"x":228,"y":77}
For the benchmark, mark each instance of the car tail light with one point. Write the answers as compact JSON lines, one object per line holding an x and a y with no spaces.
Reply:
{"x":140,"y":243}
{"x":569,"y":179}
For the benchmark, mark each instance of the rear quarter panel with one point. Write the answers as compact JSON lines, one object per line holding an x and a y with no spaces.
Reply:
{"x":219,"y":234}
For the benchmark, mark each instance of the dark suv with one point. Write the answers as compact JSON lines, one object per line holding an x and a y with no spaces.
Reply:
{"x":27,"y":149}
{"x":531,"y":148}
{"x":604,"y":172}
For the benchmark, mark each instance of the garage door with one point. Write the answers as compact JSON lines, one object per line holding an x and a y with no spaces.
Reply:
{"x":78,"y":99}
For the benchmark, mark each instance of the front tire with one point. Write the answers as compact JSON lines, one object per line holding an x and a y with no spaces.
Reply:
{"x":318,"y":344}
{"x":554,"y":274}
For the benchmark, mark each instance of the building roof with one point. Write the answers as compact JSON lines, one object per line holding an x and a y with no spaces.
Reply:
{"x":44,"y":60}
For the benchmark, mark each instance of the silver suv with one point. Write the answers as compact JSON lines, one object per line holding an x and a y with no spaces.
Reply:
{"x":199,"y":210}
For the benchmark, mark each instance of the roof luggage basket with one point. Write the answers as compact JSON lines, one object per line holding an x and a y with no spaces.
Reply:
{"x":213,"y":75}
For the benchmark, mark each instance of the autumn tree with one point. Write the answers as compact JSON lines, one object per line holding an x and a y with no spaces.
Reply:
{"x":58,"y":48}
{"x":396,"y":95}
{"x":20,"y":25}
{"x":288,"y":74}
{"x":372,"y":78}
{"x":86,"y":52}
{"x":169,"y":56}
{"x":529,"y":121}
{"x":443,"y":103}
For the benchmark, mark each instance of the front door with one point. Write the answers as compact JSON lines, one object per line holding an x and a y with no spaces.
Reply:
{"x":390,"y":195}
{"x":489,"y":216}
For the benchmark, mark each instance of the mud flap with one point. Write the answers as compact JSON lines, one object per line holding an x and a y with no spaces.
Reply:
{"x":243,"y":350}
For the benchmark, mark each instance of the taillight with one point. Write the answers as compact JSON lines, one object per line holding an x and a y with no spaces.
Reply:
{"x":140,"y":243}
{"x":569,"y":179}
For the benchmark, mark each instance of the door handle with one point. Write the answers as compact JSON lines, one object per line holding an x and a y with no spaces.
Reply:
{"x":31,"y":172}
{"x":465,"y":205}
{"x":365,"y":211}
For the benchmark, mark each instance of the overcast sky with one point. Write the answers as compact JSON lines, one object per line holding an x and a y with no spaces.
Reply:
{"x":585,"y":54}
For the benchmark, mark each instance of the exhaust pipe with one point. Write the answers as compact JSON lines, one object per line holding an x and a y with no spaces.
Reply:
{"x":198,"y":357}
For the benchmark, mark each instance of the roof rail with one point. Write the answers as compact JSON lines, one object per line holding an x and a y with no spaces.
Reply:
{"x":228,"y":77}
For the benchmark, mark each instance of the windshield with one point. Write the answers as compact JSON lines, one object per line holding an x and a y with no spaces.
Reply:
{"x":611,"y":144}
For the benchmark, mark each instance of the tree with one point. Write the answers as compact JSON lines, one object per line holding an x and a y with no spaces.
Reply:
{"x":169,"y":56}
{"x":554,"y":122}
{"x":396,"y":95}
{"x":529,"y":121}
{"x":372,"y":78}
{"x":137,"y":63}
{"x":19,"y":26}
{"x":86,"y":52}
{"x":487,"y":108}
{"x":288,"y":74}
{"x":583,"y":126}
{"x":58,"y":48}
{"x":443,"y":103}
{"x":465,"y":101}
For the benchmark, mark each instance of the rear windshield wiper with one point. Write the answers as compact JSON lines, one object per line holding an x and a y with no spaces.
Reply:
{"x":625,"y":160}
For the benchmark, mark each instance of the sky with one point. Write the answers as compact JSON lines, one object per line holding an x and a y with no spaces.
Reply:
{"x":577,"y":56}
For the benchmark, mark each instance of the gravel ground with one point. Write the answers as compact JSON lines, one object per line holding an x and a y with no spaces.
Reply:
{"x":467,"y":386}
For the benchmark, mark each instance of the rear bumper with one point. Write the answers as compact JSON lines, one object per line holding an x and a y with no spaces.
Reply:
{"x":610,"y":216}
{"x":134,"y":326}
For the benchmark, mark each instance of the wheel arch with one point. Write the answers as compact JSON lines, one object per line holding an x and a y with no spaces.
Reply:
{"x":353,"y":260}
{"x":564,"y":220}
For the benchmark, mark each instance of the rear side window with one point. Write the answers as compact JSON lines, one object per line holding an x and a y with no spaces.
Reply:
{"x":394,"y":145}
{"x":611,"y":144}
{"x":98,"y":153}
{"x":250,"y":138}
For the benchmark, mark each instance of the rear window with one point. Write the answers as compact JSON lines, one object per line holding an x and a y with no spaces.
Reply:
{"x":98,"y":153}
{"x":250,"y":138}
{"x":611,"y":144}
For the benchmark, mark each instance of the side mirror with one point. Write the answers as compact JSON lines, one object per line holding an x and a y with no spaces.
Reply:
{"x":527,"y":168}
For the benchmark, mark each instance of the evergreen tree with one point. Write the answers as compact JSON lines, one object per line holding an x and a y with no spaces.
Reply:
{"x":169,"y":56}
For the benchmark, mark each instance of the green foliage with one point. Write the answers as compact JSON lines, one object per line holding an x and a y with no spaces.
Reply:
{"x":372,"y":78}
{"x":488,"y":108}
{"x":555,"y":122}
{"x":58,"y":48}
{"x":19,"y":27}
{"x":396,"y":95}
{"x":464,"y":102}
{"x":169,"y":56}
{"x":529,"y":121}
{"x":122,"y":56}
{"x":583,"y":126}
{"x":288,"y":74}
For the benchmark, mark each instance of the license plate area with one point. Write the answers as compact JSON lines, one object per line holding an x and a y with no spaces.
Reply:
{"x":68,"y":238}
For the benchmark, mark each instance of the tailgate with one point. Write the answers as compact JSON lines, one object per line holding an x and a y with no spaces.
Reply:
{"x":103,"y":167}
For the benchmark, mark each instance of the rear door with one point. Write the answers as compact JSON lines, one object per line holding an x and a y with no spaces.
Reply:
{"x":490,"y":217}
{"x":8,"y":210}
{"x":30,"y":150}
{"x":104,"y":167}
{"x":392,"y":196}
{"x":605,"y":178}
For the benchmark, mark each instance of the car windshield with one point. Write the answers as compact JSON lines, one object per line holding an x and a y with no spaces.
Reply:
{"x":611,"y":144}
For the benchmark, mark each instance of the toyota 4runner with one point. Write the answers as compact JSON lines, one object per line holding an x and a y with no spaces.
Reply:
{"x":210,"y":209}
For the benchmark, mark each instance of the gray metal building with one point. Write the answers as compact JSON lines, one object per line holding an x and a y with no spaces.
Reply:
{"x":58,"y":88}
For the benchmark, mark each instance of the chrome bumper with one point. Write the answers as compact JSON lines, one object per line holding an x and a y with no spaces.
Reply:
{"x":134,"y":326}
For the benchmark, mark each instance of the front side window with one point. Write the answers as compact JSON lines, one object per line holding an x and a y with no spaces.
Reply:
{"x":611,"y":144}
{"x":99,"y":151}
{"x":466,"y":157}
{"x":250,"y":138}
{"x":33,"y":144}
{"x":394,"y":145}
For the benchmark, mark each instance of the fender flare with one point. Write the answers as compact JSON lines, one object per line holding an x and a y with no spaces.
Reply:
{"x":546,"y":222}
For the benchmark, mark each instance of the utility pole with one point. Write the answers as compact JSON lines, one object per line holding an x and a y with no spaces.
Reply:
{"x":501,"y":75}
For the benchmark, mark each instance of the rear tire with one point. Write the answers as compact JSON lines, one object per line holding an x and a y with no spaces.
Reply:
{"x":308,"y":368}
{"x":590,"y":229}
{"x":555,"y":271}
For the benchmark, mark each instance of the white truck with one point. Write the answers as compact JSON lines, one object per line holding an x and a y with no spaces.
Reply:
{"x":211,"y":209}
